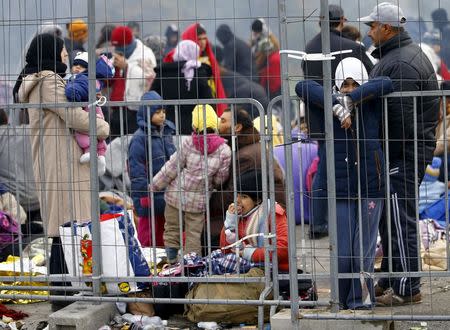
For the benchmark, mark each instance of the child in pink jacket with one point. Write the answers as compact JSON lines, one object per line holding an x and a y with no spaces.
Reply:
{"x":187,"y":191}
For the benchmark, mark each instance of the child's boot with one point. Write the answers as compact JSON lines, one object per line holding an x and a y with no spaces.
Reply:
{"x":85,"y":158}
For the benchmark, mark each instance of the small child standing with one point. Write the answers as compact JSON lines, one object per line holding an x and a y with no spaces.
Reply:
{"x":187,"y":191}
{"x":77,"y":90}
{"x":162,"y":147}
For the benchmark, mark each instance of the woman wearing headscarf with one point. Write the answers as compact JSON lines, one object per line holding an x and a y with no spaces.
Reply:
{"x":63,"y":182}
{"x":185,"y":77}
{"x":197,"y":33}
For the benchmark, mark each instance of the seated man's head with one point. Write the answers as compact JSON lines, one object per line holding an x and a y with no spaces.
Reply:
{"x":242,"y":121}
{"x":350,"y":73}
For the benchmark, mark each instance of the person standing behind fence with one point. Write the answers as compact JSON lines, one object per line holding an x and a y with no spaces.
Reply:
{"x":77,"y":31}
{"x":237,"y":55}
{"x":353,"y":144}
{"x":161,"y":132}
{"x":410,"y":70}
{"x":313,"y":70}
{"x":187,"y":191}
{"x":63,"y":182}
{"x":197,"y":33}
{"x":172,"y":38}
{"x":134,"y":63}
{"x":183,"y":78}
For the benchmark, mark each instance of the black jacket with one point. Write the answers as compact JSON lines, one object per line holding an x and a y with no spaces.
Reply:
{"x":313,"y":69}
{"x":237,"y":54}
{"x":171,"y":85}
{"x":237,"y":86}
{"x":410,"y":70}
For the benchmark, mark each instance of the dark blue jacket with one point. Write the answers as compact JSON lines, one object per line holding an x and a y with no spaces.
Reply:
{"x":162,"y":148}
{"x":365,"y":130}
{"x":77,"y":88}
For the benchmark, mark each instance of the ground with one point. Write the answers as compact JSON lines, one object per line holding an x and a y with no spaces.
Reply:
{"x":315,"y":259}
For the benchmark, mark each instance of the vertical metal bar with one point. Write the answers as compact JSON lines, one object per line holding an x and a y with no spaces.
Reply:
{"x":96,"y":236}
{"x":234,"y":151}
{"x":293,"y":284}
{"x":416,"y":183}
{"x":444,"y":131}
{"x":272,"y":205}
{"x":205,"y":155}
{"x":150,"y":175}
{"x":329,"y":143}
{"x":388,"y":186}
{"x":358,"y":168}
{"x":180,"y":193}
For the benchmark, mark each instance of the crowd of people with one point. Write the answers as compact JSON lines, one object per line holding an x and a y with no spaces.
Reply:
{"x":167,"y":179}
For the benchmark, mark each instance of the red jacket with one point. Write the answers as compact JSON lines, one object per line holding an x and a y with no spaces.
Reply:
{"x":270,"y":75}
{"x":282,"y":239}
{"x":191,"y":34}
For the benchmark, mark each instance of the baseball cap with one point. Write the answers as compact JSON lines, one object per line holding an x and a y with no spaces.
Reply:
{"x":385,"y":13}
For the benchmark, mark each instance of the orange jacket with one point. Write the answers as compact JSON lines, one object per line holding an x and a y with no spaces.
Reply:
{"x":281,"y":234}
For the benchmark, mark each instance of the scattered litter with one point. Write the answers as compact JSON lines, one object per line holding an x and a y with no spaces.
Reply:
{"x":208,"y":325}
{"x":105,"y":327}
{"x":423,"y":326}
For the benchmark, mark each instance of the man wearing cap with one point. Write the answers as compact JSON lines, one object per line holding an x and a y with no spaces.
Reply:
{"x":313,"y":70}
{"x":77,"y":35}
{"x":410,"y":70}
{"x":134,"y":74}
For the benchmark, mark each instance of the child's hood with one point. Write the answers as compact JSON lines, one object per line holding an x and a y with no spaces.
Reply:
{"x":350,"y":67}
{"x":142,"y":119}
{"x":213,"y":142}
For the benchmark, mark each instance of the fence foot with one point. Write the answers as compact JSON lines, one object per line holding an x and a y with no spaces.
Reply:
{"x":282,"y":320}
{"x":82,"y":316}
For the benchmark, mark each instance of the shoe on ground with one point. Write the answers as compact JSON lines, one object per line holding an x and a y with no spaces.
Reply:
{"x":85,"y":158}
{"x":390,"y":298}
{"x":317,"y":234}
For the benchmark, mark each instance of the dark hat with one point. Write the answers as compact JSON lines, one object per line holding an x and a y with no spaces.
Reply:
{"x":257,"y":25}
{"x":44,"y":47}
{"x":335,"y":12}
{"x":250,"y":183}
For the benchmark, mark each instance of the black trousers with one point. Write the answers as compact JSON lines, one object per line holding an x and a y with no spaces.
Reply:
{"x":405,"y":257}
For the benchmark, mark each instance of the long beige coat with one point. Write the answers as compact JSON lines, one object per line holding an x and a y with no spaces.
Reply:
{"x":63,"y":183}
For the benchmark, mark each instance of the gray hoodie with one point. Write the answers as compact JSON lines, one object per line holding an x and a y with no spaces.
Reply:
{"x":16,"y":167}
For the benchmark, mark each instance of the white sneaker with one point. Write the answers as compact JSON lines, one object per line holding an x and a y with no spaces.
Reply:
{"x":101,"y":165}
{"x":85,"y":158}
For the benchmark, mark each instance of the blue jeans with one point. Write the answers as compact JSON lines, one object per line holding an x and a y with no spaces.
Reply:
{"x":349,"y":252}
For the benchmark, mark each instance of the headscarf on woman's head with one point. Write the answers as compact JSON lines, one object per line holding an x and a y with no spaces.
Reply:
{"x":191,"y":34}
{"x":44,"y":53}
{"x":188,"y":51}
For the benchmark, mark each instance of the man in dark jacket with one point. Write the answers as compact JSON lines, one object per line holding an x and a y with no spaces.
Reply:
{"x":313,"y":70}
{"x":237,"y":86}
{"x":248,"y":157}
{"x":410,"y":70}
{"x":237,"y":55}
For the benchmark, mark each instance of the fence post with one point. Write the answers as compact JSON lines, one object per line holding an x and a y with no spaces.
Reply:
{"x":293,"y":284}
{"x":96,"y":239}
{"x":329,"y":142}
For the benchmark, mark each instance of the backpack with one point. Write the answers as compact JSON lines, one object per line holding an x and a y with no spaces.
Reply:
{"x":235,"y":314}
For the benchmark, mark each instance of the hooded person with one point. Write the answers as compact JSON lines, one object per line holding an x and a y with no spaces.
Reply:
{"x":197,"y":33}
{"x":161,"y":132}
{"x":184,"y":78}
{"x":359,"y":172}
{"x":171,"y":38}
{"x":187,"y":192}
{"x":134,"y":74}
{"x":55,"y":151}
{"x":237,"y":55}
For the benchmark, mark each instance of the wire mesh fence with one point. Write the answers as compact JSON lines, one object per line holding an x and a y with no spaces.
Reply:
{"x":207,"y":165}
